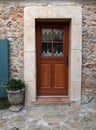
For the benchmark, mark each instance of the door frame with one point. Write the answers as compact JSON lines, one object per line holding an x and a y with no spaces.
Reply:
{"x":39,"y":11}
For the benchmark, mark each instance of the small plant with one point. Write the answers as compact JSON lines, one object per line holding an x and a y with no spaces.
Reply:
{"x":14,"y":84}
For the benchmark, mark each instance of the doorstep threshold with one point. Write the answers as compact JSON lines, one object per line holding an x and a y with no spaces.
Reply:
{"x":52,"y":101}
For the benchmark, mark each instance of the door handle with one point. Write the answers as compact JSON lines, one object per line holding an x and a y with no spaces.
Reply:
{"x":66,"y":60}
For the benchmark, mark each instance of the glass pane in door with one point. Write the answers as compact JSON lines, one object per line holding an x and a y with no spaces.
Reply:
{"x":46,"y":42}
{"x":58,"y":42}
{"x":58,"y":35}
{"x":46,"y":35}
{"x":58,"y":49}
{"x":46,"y":49}
{"x":52,"y":42}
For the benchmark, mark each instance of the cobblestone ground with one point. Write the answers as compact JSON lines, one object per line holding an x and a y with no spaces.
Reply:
{"x":50,"y":117}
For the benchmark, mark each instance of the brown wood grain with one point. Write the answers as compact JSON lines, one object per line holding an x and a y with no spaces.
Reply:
{"x":52,"y":71}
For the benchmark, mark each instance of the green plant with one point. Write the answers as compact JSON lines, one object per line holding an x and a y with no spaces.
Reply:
{"x":4,"y":106}
{"x":14,"y":84}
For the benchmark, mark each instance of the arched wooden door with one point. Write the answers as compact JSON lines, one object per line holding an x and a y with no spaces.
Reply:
{"x":52,"y":58}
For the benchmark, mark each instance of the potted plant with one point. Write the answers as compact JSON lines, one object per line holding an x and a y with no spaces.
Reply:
{"x":15,"y":91}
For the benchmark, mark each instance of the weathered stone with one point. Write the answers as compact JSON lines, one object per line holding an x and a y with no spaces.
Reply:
{"x":75,"y":125}
{"x":5,"y":15}
{"x":55,"y":118}
{"x":11,"y":27}
{"x":43,"y":128}
{"x":15,"y":108}
{"x":89,"y":55}
{"x":1,"y":24}
{"x":19,"y":42}
{"x":94,"y":18}
{"x":15,"y":128}
{"x":61,"y":120}
{"x":18,"y":118}
{"x":14,"y":52}
{"x":94,"y":128}
{"x":93,"y":39}
{"x":2,"y":121}
{"x":86,"y":119}
{"x":85,"y":99}
{"x":86,"y":72}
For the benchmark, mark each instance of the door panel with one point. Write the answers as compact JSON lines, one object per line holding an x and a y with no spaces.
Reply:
{"x":59,"y":76}
{"x":45,"y":75}
{"x":52,"y":52}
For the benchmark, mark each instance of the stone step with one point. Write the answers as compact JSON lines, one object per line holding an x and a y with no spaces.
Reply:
{"x":51,"y":103}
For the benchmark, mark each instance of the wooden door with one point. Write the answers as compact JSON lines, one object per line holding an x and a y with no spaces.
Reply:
{"x":52,"y":59}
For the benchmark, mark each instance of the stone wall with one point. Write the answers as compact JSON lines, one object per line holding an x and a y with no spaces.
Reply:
{"x":89,"y":53}
{"x":12,"y":28}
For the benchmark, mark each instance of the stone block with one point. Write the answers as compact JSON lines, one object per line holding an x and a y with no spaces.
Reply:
{"x":69,"y":11}
{"x":75,"y":91}
{"x":29,"y":20}
{"x":76,"y":37}
{"x":64,"y":12}
{"x":29,"y":66}
{"x":76,"y":21}
{"x":32,"y":10}
{"x":52,"y":12}
{"x":30,"y":93}
{"x":29,"y":38}
{"x":43,"y":12}
{"x":76,"y":64}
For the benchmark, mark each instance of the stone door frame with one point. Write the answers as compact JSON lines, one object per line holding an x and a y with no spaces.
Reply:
{"x":31,"y":13}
